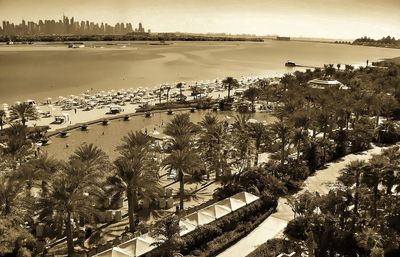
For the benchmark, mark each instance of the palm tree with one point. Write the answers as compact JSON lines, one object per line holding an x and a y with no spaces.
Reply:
{"x":212,"y":141}
{"x":2,"y":118}
{"x":136,"y":171}
{"x":372,"y":177}
{"x":184,"y":161}
{"x":183,"y":158}
{"x":242,"y":141}
{"x":283,"y":132}
{"x":72,"y":191}
{"x":252,"y":94}
{"x":92,"y":156}
{"x":351,"y":175}
{"x":167,"y":233}
{"x":10,"y":195}
{"x":258,"y":132}
{"x":180,"y":86}
{"x":23,"y":111}
{"x":230,"y":83}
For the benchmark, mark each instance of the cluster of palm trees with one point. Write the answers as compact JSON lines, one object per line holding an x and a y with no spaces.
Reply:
{"x":312,"y":126}
{"x":361,"y":217}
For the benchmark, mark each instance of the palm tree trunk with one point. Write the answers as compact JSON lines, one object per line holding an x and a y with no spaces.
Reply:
{"x":134,"y":199}
{"x":283,"y":153}
{"x":181,"y":190}
{"x":131,"y":212}
{"x":229,"y":93}
{"x":356,"y":196}
{"x":68,"y":232}
{"x":374,"y":206}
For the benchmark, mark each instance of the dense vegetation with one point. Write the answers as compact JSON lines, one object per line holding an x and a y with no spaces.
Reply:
{"x":312,"y":127}
{"x":383,"y":42}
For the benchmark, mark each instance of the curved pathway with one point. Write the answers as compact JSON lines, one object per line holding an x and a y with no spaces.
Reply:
{"x":273,"y":226}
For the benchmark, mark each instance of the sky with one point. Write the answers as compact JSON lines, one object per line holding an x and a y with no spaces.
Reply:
{"x":337,"y":19}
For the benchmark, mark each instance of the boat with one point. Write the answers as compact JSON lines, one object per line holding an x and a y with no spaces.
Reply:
{"x":290,"y":64}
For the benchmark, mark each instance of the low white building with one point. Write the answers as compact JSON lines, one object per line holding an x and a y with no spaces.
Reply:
{"x":323,"y":84}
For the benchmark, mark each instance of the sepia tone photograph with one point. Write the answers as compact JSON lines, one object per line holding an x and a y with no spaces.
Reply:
{"x":200,"y":128}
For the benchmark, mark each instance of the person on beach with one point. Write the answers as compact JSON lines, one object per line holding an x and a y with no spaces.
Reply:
{"x":67,"y":145}
{"x":75,"y":110}
{"x":103,"y":133}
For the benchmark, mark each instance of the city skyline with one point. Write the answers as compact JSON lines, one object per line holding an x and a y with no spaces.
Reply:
{"x":342,"y":19}
{"x":67,"y":26}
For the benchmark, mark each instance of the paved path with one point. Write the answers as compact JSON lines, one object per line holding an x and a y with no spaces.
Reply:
{"x":273,"y":226}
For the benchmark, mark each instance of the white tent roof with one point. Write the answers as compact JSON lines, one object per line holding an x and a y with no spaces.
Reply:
{"x":232,"y":203}
{"x":137,"y":246}
{"x":199,"y":218}
{"x":115,"y":252}
{"x":217,"y":211}
{"x":186,"y":227}
{"x":245,"y":197}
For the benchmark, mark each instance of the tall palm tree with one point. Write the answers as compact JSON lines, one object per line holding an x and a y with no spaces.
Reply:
{"x":372,"y":177}
{"x":351,"y":175}
{"x":2,"y":118}
{"x":283,"y":132}
{"x":72,"y":191}
{"x":258,"y":132}
{"x":230,"y":83}
{"x":184,"y":161}
{"x":136,"y":171}
{"x":183,"y":158}
{"x":10,"y":195}
{"x":180,"y":86}
{"x":252,"y":94}
{"x":242,"y":141}
{"x":212,"y":142}
{"x":23,"y":111}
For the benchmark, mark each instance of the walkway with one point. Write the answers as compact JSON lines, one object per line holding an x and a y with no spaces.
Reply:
{"x":273,"y":226}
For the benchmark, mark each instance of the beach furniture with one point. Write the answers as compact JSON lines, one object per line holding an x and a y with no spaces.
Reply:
{"x":40,"y":230}
{"x":170,"y":202}
{"x":118,"y":216}
{"x":162,"y":203}
{"x":109,"y":216}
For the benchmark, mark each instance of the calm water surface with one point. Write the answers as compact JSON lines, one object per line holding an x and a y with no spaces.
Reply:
{"x":41,"y":71}
{"x":118,"y":128}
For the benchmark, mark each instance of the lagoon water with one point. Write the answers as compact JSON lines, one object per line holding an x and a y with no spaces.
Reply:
{"x":109,"y":137}
{"x":41,"y":71}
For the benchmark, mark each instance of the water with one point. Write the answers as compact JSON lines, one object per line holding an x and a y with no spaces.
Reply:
{"x":41,"y":71}
{"x":108,"y":137}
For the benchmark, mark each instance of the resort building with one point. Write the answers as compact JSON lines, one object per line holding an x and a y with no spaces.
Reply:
{"x":323,"y":84}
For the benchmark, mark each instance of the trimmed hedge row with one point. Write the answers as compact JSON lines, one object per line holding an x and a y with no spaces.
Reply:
{"x":213,"y":238}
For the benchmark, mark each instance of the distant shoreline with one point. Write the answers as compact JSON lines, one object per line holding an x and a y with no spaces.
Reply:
{"x":127,"y":37}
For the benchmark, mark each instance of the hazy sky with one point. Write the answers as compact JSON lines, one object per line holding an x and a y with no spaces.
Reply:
{"x":309,"y":18}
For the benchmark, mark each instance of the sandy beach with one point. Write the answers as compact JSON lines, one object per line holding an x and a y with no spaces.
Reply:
{"x":41,"y":71}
